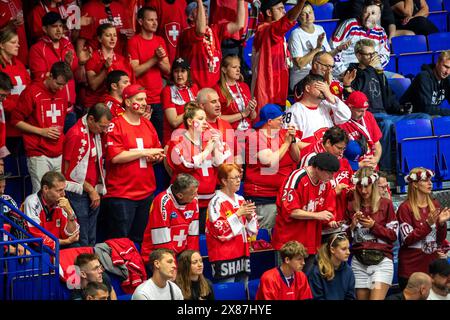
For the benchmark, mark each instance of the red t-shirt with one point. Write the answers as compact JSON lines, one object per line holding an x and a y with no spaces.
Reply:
{"x":172,"y":21}
{"x":225,"y":11}
{"x":20,"y":78}
{"x":299,"y":192}
{"x":95,"y":63}
{"x":10,"y":9}
{"x":205,"y":68}
{"x":114,"y":106}
{"x":142,"y":50}
{"x":273,"y":286}
{"x":134,"y":180}
{"x":175,"y":97}
{"x":241,"y":96}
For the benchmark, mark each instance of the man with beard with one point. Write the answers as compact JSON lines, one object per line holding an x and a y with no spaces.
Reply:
{"x":440,"y":274}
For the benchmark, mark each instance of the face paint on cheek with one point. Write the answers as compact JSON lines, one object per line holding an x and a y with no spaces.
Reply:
{"x":136,"y":106}
{"x":195,"y":124}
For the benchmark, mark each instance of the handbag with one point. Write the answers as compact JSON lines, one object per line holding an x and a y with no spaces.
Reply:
{"x":369,"y":257}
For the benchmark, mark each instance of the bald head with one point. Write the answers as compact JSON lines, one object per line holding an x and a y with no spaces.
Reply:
{"x":418,"y":287}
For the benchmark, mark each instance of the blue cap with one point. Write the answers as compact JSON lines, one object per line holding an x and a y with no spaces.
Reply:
{"x":268,"y":112}
{"x":352,"y":153}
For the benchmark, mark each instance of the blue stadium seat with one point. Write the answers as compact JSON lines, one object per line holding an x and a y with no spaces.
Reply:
{"x":434,"y":5}
{"x":399,"y":86}
{"x":230,"y":291}
{"x":203,"y":248}
{"x":248,"y":52}
{"x":261,"y":261}
{"x":442,"y":131}
{"x":439,"y":41}
{"x":446,"y":4}
{"x":409,"y":44}
{"x":329,"y":26}
{"x":412,"y":52}
{"x":392,"y":64}
{"x":324,"y":12}
{"x":263,"y":234}
{"x":445,"y":104}
{"x":441,"y":126}
{"x":253,"y":288}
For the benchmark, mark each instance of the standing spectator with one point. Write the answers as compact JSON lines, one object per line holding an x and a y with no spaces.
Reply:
{"x":5,"y":90}
{"x":11,"y":65}
{"x":317,"y":110}
{"x":286,"y":282}
{"x":439,"y":271}
{"x":95,"y":291}
{"x":131,"y":149}
{"x":41,"y":8}
{"x":172,"y":20}
{"x":103,"y":61}
{"x":332,"y":278}
{"x":272,"y":154}
{"x":160,"y":285}
{"x":175,"y":96}
{"x":373,"y":228}
{"x":40,"y":114}
{"x":12,"y":13}
{"x":413,"y":15}
{"x":237,"y":105}
{"x":431,"y":87}
{"x":83,"y":169}
{"x":148,"y":57}
{"x":271,"y":59}
{"x":116,"y":82}
{"x":50,"y":209}
{"x":231,"y":220}
{"x":304,"y":203}
{"x":417,"y":288}
{"x":423,"y":225}
{"x":190,"y":278}
{"x":202,"y":43}
{"x":363,"y":129}
{"x":364,"y":27}
{"x":180,"y":231}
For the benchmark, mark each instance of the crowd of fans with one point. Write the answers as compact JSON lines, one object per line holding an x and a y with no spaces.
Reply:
{"x":140,"y":121}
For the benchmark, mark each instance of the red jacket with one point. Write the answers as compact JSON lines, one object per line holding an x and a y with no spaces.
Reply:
{"x":273,"y":286}
{"x":124,"y":252}
{"x":43,"y":55}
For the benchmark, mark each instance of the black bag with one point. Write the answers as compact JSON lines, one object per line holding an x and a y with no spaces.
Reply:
{"x":369,"y":257}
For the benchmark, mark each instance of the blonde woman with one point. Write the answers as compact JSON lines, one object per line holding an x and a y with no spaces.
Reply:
{"x":331,"y":277}
{"x":422,"y":225}
{"x":373,"y":230}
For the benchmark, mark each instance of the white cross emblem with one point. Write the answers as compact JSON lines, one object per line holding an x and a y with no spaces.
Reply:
{"x":83,"y":142}
{"x":205,"y":165}
{"x":180,"y":238}
{"x":53,"y":112}
{"x":180,"y":60}
{"x":81,"y":150}
{"x":19,"y":87}
{"x":140,"y":146}
{"x":174,"y":33}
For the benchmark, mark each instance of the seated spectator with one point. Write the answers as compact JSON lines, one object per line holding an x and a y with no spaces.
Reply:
{"x":305,"y":42}
{"x":439,"y":271}
{"x":237,"y":105}
{"x":317,"y":110}
{"x":417,"y":288}
{"x":40,"y":9}
{"x":95,"y":291}
{"x":175,"y":96}
{"x":372,"y":229}
{"x":413,"y":15}
{"x":382,"y":102}
{"x":286,"y":282}
{"x":331,"y":277}
{"x":190,"y":277}
{"x":431,"y":87}
{"x":90,"y":270}
{"x":423,"y":225}
{"x":116,"y":82}
{"x":160,"y":285}
{"x":180,"y":231}
{"x":305,"y":203}
{"x":50,"y":209}
{"x":230,"y":221}
{"x":364,"y":27}
{"x":271,"y":155}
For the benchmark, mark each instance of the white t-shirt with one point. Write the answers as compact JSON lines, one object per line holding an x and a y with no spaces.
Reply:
{"x":150,"y":291}
{"x":435,"y":296}
{"x":300,"y":44}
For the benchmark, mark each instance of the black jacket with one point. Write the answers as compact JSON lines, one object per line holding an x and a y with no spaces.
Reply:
{"x":426,"y":93}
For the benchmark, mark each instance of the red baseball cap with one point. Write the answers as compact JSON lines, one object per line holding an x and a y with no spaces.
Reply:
{"x":358,"y":100}
{"x":132,"y":90}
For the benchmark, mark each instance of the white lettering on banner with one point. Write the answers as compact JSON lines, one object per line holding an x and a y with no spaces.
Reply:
{"x":174,"y":33}
{"x":205,"y":165}
{"x":180,"y":238}
{"x":19,"y":87}
{"x":140,"y":147}
{"x":53,"y":113}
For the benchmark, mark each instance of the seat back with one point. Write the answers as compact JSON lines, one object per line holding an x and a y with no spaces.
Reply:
{"x":439,"y":41}
{"x":441,"y":126}
{"x":399,"y":86}
{"x":252,"y":287}
{"x":413,"y":128}
{"x":324,"y":12}
{"x":230,"y":291}
{"x":409,"y":44}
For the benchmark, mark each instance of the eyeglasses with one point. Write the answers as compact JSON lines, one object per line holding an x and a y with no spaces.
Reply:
{"x":369,"y":54}
{"x":328,"y":66}
{"x":338,"y":236}
{"x":235,"y":178}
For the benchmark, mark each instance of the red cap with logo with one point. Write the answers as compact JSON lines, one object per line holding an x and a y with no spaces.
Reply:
{"x":132,"y":90}
{"x":358,"y":100}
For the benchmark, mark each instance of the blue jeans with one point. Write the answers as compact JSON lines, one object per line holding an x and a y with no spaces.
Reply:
{"x":127,"y":218}
{"x":387,"y":122}
{"x":86,"y":216}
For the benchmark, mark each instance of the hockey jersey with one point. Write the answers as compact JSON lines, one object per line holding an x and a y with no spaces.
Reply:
{"x":273,"y":286}
{"x":227,"y":236}
{"x":171,"y":225}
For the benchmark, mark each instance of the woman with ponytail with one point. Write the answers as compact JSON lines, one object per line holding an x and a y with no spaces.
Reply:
{"x":331,"y":277}
{"x":422,"y":225}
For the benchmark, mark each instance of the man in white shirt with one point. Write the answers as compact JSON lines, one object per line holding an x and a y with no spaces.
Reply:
{"x":159,"y":286}
{"x":439,"y":271}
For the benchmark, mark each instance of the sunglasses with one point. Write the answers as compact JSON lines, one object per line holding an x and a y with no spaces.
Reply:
{"x":338,"y":236}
